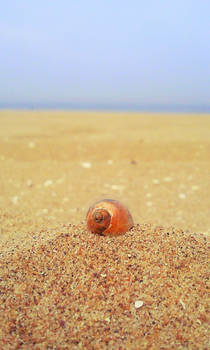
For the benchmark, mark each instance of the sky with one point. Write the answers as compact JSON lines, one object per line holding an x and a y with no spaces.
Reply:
{"x":110,"y":52}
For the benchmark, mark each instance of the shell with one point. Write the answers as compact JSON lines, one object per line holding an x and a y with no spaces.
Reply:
{"x":109,"y":217}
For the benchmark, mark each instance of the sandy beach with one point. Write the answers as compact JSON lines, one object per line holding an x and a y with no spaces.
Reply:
{"x":61,"y":287}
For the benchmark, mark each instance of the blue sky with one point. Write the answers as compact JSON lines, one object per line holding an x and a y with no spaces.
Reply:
{"x":105,"y":52}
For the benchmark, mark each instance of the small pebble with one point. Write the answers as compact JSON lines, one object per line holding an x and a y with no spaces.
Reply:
{"x":167,"y":179}
{"x":86,"y":165}
{"x":29,"y":183}
{"x":48,"y":183}
{"x":133,"y":162}
{"x":156,"y":181}
{"x":14,"y":199}
{"x":182,"y":195}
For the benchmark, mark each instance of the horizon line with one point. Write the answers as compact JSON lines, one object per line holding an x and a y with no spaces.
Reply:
{"x":117,"y":107}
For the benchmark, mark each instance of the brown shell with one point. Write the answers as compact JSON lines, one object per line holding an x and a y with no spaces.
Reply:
{"x":109,"y":217}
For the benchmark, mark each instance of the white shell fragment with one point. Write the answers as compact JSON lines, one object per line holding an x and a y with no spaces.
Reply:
{"x":182,"y":303}
{"x":138,"y":304}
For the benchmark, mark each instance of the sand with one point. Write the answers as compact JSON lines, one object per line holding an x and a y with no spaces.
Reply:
{"x":62,"y":287}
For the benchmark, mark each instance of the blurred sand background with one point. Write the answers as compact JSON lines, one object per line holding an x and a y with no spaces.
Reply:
{"x":54,"y":164}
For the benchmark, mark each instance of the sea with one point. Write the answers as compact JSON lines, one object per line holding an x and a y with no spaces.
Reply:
{"x":198,"y":109}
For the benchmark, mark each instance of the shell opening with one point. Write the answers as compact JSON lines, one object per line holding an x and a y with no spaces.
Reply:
{"x":102,"y":219}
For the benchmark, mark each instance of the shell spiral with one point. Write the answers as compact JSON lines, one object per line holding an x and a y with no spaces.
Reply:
{"x":109,"y":217}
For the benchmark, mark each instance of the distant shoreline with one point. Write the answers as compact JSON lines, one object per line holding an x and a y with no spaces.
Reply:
{"x":107,"y":108}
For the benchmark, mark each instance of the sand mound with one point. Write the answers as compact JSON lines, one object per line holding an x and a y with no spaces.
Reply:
{"x":70,"y":289}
